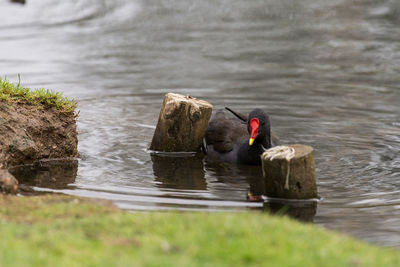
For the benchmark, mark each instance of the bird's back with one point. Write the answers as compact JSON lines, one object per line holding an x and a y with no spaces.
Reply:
{"x":224,"y":133}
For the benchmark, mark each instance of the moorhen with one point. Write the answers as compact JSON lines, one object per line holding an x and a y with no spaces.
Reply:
{"x":239,"y":140}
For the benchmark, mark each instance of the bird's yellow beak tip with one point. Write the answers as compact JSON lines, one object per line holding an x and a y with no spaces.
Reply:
{"x":251,"y":141}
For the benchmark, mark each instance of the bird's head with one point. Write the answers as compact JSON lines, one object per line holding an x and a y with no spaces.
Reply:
{"x":258,"y":126}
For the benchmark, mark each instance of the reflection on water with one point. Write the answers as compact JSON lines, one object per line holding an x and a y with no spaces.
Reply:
{"x":185,"y":172}
{"x":250,"y":175}
{"x":54,"y":174}
{"x":327,"y":72}
{"x":302,"y":211}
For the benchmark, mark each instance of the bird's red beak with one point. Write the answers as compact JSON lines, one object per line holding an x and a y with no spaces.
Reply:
{"x":254,"y":124}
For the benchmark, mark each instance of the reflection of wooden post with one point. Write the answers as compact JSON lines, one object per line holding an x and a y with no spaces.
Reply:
{"x":179,"y":172}
{"x":181,"y":125}
{"x":8,"y":183}
{"x":304,"y":212}
{"x":290,"y":176}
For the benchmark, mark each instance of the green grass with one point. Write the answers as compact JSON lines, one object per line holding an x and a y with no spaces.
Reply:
{"x":12,"y":92}
{"x":66,"y":231}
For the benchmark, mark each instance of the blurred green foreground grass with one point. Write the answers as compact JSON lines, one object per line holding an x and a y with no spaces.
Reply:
{"x":57,"y":230}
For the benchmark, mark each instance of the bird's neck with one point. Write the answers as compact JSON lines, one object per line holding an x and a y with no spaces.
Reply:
{"x":264,"y":142}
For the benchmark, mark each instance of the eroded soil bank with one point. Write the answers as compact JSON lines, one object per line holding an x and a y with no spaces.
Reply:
{"x":29,"y":132}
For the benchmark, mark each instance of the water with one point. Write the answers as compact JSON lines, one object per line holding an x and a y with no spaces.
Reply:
{"x":327,"y":72}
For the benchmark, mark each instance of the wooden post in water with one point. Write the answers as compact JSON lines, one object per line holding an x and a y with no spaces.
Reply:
{"x":289,"y":172}
{"x":181,"y":125}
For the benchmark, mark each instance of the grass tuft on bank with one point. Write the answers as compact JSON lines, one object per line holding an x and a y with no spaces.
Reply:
{"x":68,"y":231}
{"x":13,"y":92}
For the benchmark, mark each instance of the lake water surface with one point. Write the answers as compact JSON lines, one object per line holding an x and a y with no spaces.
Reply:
{"x":327,"y":72}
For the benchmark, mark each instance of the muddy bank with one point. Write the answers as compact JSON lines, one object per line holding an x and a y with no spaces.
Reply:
{"x":30,"y":132}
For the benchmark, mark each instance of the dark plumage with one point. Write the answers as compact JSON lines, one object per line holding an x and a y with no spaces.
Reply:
{"x":227,"y":139}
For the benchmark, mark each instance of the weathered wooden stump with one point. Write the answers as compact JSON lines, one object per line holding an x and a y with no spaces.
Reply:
{"x":181,"y":125}
{"x":8,"y":183}
{"x":289,"y":172}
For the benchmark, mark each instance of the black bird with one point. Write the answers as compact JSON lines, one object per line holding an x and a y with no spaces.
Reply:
{"x":239,"y":140}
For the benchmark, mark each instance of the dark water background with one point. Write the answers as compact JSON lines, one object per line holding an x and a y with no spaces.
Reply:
{"x":327,"y":71}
